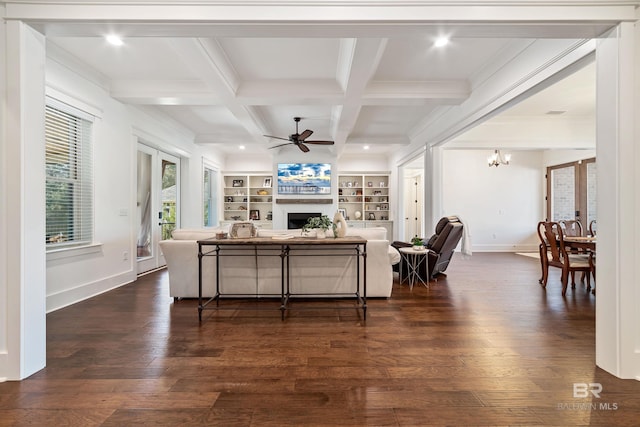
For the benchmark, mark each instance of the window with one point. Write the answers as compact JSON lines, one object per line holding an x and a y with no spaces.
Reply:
{"x":69,"y":176}
{"x":209,"y":197}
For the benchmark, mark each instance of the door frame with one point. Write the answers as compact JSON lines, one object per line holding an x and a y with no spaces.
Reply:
{"x":580,"y":186}
{"x":156,"y":259}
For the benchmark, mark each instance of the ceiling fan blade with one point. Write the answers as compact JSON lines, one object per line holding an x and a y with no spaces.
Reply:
{"x":303,"y":147}
{"x":280,"y":145}
{"x":320,"y":142}
{"x":304,"y":135}
{"x":276,"y":137}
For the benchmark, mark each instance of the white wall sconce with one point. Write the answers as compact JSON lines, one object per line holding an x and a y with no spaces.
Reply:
{"x":496,"y":159}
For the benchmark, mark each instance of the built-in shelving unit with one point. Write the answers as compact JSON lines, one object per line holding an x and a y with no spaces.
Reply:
{"x":365,"y":200}
{"x":248,"y":197}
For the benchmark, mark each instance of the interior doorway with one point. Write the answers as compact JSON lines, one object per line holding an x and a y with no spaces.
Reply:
{"x":413,"y":199}
{"x":571,"y":192}
{"x":157,"y":204}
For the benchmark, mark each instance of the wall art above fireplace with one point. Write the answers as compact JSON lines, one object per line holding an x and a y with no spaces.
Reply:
{"x":304,"y":178}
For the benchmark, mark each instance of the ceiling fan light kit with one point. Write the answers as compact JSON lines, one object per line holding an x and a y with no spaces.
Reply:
{"x":299,"y":139}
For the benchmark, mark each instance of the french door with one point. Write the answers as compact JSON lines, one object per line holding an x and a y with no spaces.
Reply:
{"x":571,"y":192}
{"x":157,"y":202}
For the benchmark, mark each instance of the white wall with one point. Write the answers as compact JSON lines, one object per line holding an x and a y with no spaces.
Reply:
{"x":71,"y":279}
{"x":501,"y":206}
{"x":370,"y":163}
{"x":558,"y":157}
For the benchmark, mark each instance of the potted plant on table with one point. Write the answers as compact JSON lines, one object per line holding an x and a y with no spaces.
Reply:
{"x":418,"y":244}
{"x":319,"y":223}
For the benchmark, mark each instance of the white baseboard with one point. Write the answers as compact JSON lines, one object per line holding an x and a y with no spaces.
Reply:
{"x":505,"y":248}
{"x":80,"y":293}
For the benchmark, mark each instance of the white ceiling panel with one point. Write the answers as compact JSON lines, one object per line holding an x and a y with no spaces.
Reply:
{"x":375,"y":121}
{"x":280,"y":58}
{"x":204,"y":119}
{"x":280,"y":120}
{"x":137,"y":59}
{"x":416,"y":58}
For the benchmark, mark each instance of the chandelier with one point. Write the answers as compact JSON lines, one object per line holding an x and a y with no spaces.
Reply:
{"x":496,"y":159}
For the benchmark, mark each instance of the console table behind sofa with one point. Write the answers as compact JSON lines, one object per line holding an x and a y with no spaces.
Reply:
{"x":261,"y":253}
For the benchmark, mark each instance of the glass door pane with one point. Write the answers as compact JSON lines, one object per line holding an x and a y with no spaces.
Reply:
{"x":210,"y":214}
{"x":169,"y":198}
{"x":144,"y":213}
{"x":571,"y":192}
{"x":563,"y":193}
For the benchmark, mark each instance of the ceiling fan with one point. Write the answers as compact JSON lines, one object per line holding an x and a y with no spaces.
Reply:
{"x":299,"y":139}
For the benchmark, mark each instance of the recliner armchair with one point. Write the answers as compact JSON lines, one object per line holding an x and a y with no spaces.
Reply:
{"x":440,"y":246}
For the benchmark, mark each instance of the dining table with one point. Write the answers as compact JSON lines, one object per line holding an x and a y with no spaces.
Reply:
{"x":587,"y":243}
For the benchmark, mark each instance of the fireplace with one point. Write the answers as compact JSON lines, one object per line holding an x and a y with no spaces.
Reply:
{"x":298,"y":219}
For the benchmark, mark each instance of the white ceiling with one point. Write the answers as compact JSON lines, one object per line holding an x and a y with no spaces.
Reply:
{"x":369,"y":85}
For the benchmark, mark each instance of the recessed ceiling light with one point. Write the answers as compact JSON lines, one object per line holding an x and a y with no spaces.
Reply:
{"x":241,"y":147}
{"x":441,"y":41}
{"x":366,"y":147}
{"x":114,"y":40}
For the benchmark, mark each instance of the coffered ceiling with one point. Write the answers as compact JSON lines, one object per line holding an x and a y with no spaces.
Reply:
{"x":358,"y":83}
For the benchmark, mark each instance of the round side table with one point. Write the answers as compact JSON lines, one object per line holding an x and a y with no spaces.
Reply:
{"x":414,"y":259}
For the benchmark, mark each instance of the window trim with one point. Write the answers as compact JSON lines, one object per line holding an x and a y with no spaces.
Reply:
{"x":80,"y":246}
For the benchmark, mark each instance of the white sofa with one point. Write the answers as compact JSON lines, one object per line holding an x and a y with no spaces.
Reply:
{"x":261,"y":274}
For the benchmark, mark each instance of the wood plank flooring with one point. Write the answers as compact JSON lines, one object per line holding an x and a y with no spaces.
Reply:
{"x":485,"y":346}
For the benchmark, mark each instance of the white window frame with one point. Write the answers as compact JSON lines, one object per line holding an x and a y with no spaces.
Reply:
{"x":83,"y":200}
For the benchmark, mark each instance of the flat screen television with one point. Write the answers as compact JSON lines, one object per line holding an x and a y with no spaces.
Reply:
{"x":304,"y":178}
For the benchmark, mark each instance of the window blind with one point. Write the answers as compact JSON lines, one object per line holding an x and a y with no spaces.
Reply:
{"x":69,"y":177}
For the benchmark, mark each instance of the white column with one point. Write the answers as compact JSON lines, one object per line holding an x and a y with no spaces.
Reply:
{"x":433,"y":184}
{"x":23,"y":351}
{"x":618,"y":192}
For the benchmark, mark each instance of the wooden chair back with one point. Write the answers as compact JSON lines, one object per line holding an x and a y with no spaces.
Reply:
{"x":593,"y":228}
{"x":572,"y":227}
{"x":552,"y":233}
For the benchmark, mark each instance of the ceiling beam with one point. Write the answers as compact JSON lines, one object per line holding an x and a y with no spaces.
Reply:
{"x":358,"y":61}
{"x":211,"y":65}
{"x":241,"y":12}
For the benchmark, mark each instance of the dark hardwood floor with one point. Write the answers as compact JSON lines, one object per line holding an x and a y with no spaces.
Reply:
{"x":484,"y":346}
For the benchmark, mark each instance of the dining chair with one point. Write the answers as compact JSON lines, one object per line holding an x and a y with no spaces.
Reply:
{"x":543,"y":249}
{"x":560,"y":255}
{"x":571,"y":227}
{"x":593,"y":231}
{"x":592,"y":264}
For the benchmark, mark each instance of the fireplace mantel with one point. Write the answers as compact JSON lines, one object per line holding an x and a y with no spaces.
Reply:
{"x":304,"y":201}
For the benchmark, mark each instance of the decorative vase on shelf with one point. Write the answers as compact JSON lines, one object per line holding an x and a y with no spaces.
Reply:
{"x":320,"y":233}
{"x":339,"y":225}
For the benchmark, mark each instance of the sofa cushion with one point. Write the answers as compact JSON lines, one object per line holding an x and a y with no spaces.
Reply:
{"x":197,"y":233}
{"x":372,"y":233}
